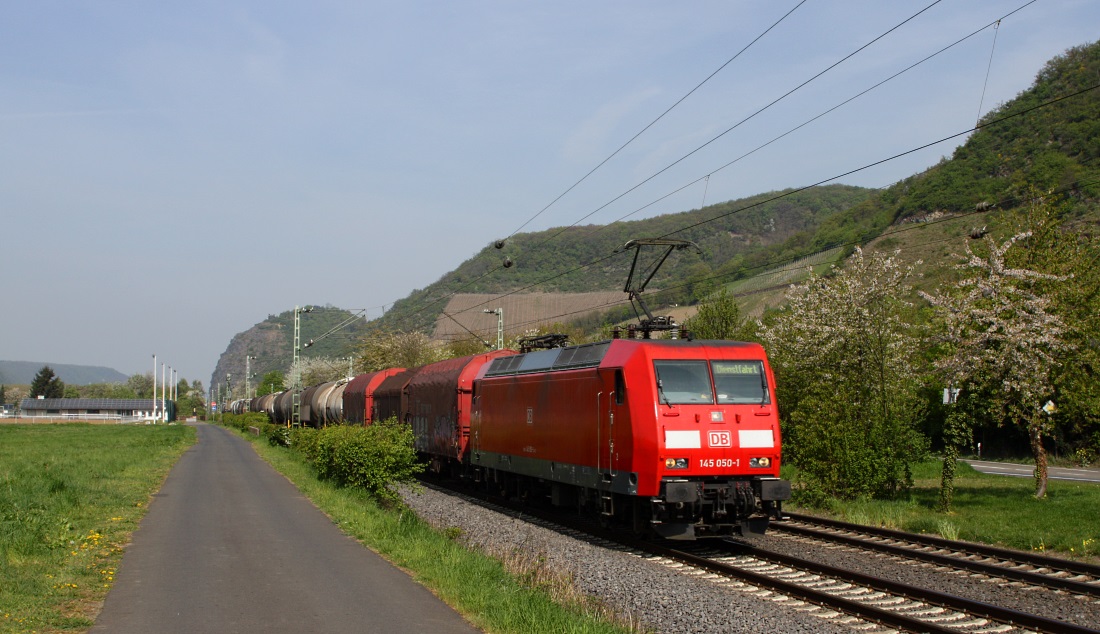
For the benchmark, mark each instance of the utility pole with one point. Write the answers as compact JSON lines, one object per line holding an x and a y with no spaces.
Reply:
{"x":248,"y":375}
{"x":499,"y":312}
{"x":296,"y":379}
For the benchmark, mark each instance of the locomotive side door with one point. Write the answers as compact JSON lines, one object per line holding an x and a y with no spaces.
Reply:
{"x":475,"y":426}
{"x":609,"y":402}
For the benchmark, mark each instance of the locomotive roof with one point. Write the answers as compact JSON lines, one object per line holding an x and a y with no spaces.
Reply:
{"x":582,"y":356}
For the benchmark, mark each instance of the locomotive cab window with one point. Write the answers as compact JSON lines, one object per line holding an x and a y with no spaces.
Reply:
{"x":683,"y":382}
{"x":741,"y":382}
{"x":620,"y":387}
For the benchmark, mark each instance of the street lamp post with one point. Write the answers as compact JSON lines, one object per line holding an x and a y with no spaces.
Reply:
{"x":154,"y":412}
{"x":163,"y":397}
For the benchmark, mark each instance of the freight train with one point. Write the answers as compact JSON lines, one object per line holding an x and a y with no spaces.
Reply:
{"x":675,"y":437}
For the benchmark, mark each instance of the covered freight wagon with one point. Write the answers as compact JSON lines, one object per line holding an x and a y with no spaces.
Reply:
{"x":439,"y":404}
{"x":390,"y":399}
{"x":358,"y":395}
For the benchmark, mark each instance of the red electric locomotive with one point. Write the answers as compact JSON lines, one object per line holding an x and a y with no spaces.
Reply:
{"x":678,"y":436}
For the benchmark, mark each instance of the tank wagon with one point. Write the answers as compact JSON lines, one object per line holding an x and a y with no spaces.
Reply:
{"x":326,"y":403}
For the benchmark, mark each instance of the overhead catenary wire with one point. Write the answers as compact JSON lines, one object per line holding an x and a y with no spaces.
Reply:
{"x":624,"y":145}
{"x":451,"y":294}
{"x":894,"y":157}
{"x":820,"y":115}
{"x":659,"y":117}
{"x":347,"y":321}
{"x":803,"y":84}
{"x":791,"y":192}
{"x":743,"y":121}
{"x":769,"y":265}
{"x":988,"y":68}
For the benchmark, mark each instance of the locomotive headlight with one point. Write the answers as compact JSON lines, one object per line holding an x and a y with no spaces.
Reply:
{"x":760,"y":463}
{"x":676,"y":463}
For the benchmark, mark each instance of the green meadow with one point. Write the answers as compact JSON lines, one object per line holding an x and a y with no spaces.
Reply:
{"x":991,"y":509}
{"x":70,"y":496}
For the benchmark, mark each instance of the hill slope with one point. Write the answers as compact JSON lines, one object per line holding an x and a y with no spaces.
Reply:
{"x":1045,"y":141}
{"x":271,"y":342}
{"x":734,"y":236}
{"x":22,"y":373}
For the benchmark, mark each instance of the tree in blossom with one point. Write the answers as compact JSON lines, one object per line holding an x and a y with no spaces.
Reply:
{"x":1000,"y":342}
{"x":844,"y":355}
{"x":380,"y":350}
{"x":1072,"y":254}
{"x":317,"y":370}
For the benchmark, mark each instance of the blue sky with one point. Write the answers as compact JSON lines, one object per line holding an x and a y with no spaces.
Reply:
{"x":172,"y":173}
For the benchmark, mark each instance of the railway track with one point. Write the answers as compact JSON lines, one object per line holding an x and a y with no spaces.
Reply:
{"x":858,"y":600}
{"x":1018,"y":566}
{"x":866,"y":597}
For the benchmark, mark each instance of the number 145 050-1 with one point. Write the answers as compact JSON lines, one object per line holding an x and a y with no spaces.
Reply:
{"x":718,"y":462}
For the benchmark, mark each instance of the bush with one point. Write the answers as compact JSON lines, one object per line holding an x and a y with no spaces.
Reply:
{"x":373,"y":458}
{"x":241,"y":422}
{"x":277,"y":435}
{"x":304,"y":441}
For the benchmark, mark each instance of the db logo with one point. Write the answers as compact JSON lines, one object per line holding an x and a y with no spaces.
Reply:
{"x":719,"y":439}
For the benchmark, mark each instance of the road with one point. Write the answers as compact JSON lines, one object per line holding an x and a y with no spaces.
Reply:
{"x":1028,"y":471}
{"x":229,"y":545}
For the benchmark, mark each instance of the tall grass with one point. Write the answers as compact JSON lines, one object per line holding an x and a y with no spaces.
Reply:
{"x":70,"y":496}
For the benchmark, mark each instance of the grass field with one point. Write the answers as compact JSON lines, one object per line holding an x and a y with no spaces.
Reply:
{"x":991,"y":509}
{"x":70,"y":496}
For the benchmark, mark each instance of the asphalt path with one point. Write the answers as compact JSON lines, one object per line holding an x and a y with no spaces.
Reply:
{"x":1028,"y":471}
{"x":229,"y":545}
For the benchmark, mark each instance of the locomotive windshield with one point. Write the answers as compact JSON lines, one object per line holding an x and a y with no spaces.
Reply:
{"x":688,"y":381}
{"x":683,"y":382}
{"x":740,"y":382}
